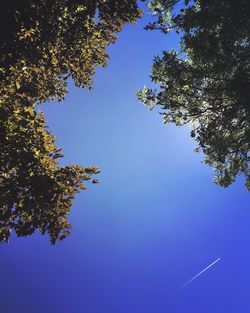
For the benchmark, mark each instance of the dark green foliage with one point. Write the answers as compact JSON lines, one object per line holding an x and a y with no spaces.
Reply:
{"x":42,"y":43}
{"x":207,"y":83}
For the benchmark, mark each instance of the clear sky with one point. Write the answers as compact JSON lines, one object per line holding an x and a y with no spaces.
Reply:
{"x":155,"y":220}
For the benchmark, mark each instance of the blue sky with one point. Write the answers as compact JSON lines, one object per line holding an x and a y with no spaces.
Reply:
{"x":155,"y":220}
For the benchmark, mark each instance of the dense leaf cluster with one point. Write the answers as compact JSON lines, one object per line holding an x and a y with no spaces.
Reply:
{"x":42,"y":44}
{"x":207,"y":82}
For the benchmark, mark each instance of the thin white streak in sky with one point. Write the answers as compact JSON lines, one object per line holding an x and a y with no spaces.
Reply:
{"x":205,"y":269}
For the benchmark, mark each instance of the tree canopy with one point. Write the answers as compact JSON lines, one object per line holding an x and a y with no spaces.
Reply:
{"x":42,"y":44}
{"x":207,"y":82}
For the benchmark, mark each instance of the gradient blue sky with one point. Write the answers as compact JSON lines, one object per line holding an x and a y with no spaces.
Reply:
{"x":155,"y":220}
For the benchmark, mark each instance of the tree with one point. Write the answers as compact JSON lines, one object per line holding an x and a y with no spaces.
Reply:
{"x":207,"y":82}
{"x":42,"y":44}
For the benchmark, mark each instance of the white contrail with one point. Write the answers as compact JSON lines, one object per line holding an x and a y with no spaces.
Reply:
{"x":205,"y":269}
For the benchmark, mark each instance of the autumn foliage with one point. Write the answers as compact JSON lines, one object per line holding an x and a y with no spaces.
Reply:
{"x":42,"y":44}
